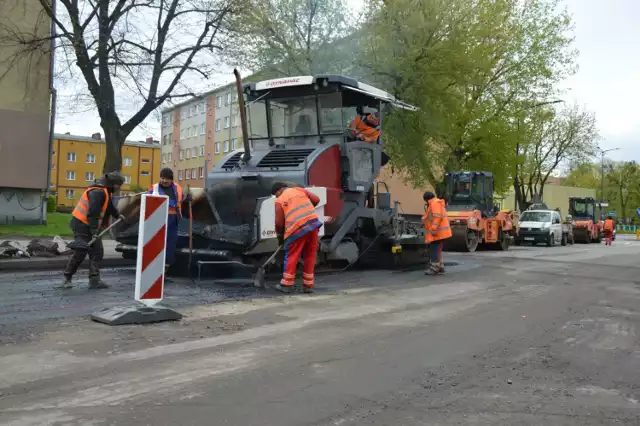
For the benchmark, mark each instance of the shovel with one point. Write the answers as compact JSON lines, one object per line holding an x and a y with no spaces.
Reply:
{"x":258,"y":279}
{"x":84,"y":246}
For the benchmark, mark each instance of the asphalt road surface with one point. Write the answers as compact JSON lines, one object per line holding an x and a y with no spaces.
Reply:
{"x":532,"y":336}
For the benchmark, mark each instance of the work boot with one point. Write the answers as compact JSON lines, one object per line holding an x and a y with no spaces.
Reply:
{"x":284,"y":288}
{"x":441,"y":269}
{"x":432,"y":270}
{"x":307,"y":290}
{"x":66,"y":283}
{"x":97,"y":284}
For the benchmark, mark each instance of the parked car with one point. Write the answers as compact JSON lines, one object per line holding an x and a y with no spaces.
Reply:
{"x":540,"y":226}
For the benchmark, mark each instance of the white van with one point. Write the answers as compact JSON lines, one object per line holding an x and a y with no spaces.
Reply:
{"x":540,"y":226}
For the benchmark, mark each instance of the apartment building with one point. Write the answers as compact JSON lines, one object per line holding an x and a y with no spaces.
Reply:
{"x":25,"y":113}
{"x":198,"y":133}
{"x":77,"y":161}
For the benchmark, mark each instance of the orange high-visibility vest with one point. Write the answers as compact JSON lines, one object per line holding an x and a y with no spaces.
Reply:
{"x":609,"y":225}
{"x":297,"y":209}
{"x":175,"y":207}
{"x":364,"y":127}
{"x":81,"y":210}
{"x":436,"y":222}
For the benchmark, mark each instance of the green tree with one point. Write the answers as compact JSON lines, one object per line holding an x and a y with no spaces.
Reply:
{"x":469,"y":65}
{"x":290,"y":37}
{"x":624,"y":187}
{"x":552,"y":138}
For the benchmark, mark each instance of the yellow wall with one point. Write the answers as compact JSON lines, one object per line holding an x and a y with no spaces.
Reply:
{"x":135,"y":171}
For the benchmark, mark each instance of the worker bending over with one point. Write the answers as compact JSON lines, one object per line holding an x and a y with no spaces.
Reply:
{"x":437,"y":229}
{"x":90,"y":215}
{"x":609,"y":226}
{"x":297,"y":227}
{"x":166,"y":186}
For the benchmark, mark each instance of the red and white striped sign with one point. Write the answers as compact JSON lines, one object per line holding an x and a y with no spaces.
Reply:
{"x":152,"y":244}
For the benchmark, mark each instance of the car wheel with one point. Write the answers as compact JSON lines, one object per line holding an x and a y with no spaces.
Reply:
{"x":550,"y":240}
{"x":564,"y":239}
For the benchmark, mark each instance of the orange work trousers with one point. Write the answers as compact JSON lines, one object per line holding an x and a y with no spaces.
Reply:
{"x":307,"y":247}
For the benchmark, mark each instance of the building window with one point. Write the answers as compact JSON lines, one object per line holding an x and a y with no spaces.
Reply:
{"x":183,"y":113}
{"x":204,"y":107}
{"x":144,"y":173}
{"x":201,"y":172}
{"x":181,"y":134}
{"x":127,"y":162}
{"x":165,"y":120}
{"x":226,"y":146}
{"x":193,"y":173}
{"x":227,"y":98}
{"x":188,"y":153}
{"x":234,"y":144}
{"x":71,"y":157}
{"x":187,"y":174}
{"x":218,"y":101}
{"x":234,"y":121}
{"x":71,"y":175}
{"x":194,"y":152}
{"x":70,"y":194}
{"x":235,"y":96}
{"x":89,"y":176}
{"x":145,"y":161}
{"x":218,"y":125}
{"x":165,"y":139}
{"x":169,"y":156}
{"x":194,"y":130}
{"x":226,"y":122}
{"x":201,"y":150}
{"x":181,"y":154}
{"x":217,"y":148}
{"x":179,"y":174}
{"x":127,"y":179}
{"x":190,"y":110}
{"x":202,"y":129}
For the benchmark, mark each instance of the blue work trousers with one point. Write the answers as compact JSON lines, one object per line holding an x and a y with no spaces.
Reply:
{"x":172,"y":238}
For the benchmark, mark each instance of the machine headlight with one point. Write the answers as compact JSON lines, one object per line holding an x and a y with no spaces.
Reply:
{"x":545,"y":226}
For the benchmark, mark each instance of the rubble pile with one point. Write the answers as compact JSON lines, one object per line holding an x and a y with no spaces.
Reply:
{"x":39,"y":247}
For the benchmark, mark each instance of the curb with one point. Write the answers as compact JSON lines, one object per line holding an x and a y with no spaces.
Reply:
{"x":52,"y":264}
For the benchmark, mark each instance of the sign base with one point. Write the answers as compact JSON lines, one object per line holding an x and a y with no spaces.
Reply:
{"x":135,"y":314}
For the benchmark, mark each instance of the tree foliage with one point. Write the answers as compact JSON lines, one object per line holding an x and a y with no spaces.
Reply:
{"x":289,"y":37}
{"x":552,"y":138}
{"x":142,"y":49}
{"x":621,"y":184}
{"x":469,"y":65}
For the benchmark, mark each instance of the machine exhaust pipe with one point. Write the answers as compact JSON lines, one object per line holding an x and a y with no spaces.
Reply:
{"x":243,"y":117}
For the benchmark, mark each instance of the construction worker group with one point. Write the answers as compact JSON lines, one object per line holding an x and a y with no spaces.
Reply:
{"x":91,"y":215}
{"x":296,"y":222}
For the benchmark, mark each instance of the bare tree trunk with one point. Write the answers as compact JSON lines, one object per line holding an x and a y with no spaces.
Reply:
{"x":115,"y":139}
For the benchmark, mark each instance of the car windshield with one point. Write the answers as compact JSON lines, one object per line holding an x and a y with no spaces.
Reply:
{"x":535,"y":217}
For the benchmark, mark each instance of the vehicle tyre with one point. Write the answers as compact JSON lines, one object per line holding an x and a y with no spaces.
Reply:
{"x":564,"y":239}
{"x":550,"y":240}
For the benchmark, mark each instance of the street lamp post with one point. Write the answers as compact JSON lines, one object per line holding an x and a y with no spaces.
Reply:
{"x":602,"y":153}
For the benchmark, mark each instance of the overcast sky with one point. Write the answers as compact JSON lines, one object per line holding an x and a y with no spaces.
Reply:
{"x":608,"y":80}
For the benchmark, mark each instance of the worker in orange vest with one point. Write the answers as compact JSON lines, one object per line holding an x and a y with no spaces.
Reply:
{"x":365,"y":126}
{"x":609,"y":226}
{"x":167,"y":186}
{"x":297,"y":227}
{"x":90,"y":215}
{"x":437,"y":229}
